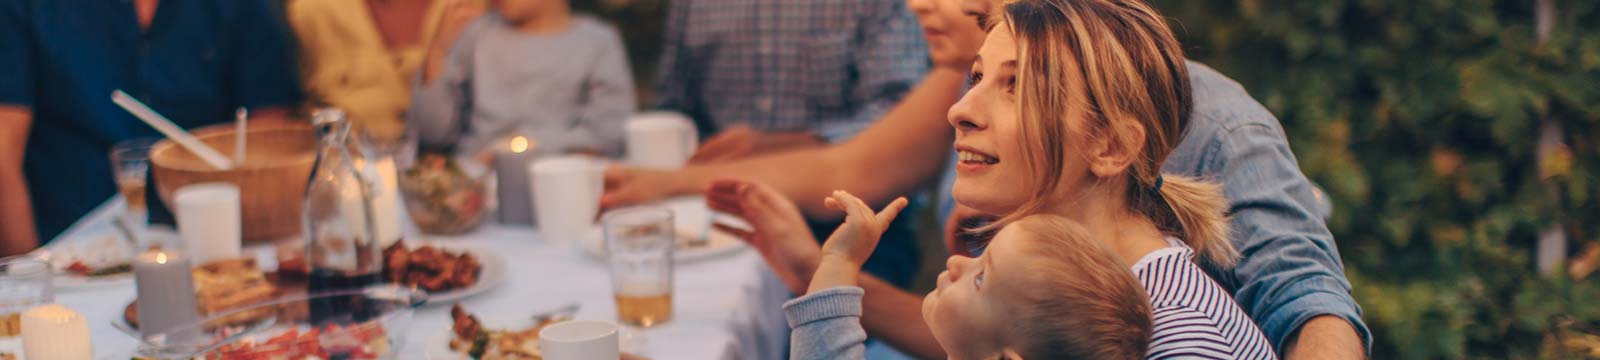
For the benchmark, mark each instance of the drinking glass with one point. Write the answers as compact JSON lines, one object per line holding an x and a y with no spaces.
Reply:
{"x":24,"y":283}
{"x":130,"y":165}
{"x":639,"y":243}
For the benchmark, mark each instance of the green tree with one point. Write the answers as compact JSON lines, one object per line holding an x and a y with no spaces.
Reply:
{"x":1422,"y":119}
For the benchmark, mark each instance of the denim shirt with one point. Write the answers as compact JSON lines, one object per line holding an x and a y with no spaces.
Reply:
{"x":1290,"y":270}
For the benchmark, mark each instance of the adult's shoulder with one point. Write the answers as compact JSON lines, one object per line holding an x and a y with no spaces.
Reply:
{"x":1222,"y":103}
{"x":1222,"y":109}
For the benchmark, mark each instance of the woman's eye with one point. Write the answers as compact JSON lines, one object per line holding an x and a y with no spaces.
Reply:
{"x":978,"y":281}
{"x":974,"y":78}
{"x":1011,"y":84}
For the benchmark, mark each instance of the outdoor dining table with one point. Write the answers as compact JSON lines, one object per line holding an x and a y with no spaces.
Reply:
{"x":727,"y":307}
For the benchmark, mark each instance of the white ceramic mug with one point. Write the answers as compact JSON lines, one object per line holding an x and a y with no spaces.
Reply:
{"x":580,"y":340}
{"x":566,"y":196}
{"x":208,"y":220}
{"x":661,"y":140}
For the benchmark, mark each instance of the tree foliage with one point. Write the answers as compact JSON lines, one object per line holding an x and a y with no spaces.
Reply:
{"x":1422,"y":119}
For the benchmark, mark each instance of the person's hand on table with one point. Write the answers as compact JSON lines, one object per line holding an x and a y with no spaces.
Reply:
{"x":778,"y":232}
{"x":628,"y":186}
{"x":741,"y":140}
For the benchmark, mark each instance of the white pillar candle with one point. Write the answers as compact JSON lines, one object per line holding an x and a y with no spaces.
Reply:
{"x":165,"y":287}
{"x":511,"y":178}
{"x":385,"y":201}
{"x":55,"y":332}
{"x":208,"y":220}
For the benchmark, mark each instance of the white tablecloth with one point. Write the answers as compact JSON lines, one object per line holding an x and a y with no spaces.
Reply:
{"x":723,"y":308}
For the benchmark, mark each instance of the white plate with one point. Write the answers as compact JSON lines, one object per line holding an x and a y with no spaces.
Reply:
{"x":96,"y":250}
{"x":493,"y":273}
{"x":438,"y":346}
{"x":691,"y":219}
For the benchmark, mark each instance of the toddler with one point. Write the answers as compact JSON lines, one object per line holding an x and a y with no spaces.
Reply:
{"x":1042,"y":290}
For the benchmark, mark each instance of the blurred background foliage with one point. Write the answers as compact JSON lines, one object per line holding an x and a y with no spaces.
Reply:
{"x":1450,"y":135}
{"x":1423,"y":120}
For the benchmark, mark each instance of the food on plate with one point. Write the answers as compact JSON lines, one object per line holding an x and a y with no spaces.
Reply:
{"x":441,"y":198}
{"x":470,"y":338}
{"x":425,"y":267}
{"x":430,"y":268}
{"x":78,"y":267}
{"x":105,"y":256}
{"x":361,"y":341}
{"x":226,"y":284}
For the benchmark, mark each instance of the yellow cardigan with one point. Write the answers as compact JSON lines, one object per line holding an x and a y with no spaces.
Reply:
{"x":345,"y":63}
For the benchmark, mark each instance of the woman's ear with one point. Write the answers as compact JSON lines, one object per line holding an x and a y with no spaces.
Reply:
{"x":1117,"y":148}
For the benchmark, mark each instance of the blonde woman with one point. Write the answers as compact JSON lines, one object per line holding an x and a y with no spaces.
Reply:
{"x":360,"y":55}
{"x":1074,"y":107}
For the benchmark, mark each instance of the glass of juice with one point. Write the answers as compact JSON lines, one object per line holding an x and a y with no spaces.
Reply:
{"x":639,"y":246}
{"x":130,"y":165}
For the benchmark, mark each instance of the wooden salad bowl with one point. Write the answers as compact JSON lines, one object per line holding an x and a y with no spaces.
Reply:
{"x":272,"y":180}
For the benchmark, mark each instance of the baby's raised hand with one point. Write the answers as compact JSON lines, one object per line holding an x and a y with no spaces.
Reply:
{"x":855,"y":240}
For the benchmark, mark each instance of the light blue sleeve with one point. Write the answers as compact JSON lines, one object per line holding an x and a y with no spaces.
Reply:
{"x":826,"y":325}
{"x":440,"y":110}
{"x":607,"y":98}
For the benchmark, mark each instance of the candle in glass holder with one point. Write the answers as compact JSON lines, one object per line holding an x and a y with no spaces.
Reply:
{"x":511,"y":173}
{"x":165,"y":287}
{"x":55,"y":332}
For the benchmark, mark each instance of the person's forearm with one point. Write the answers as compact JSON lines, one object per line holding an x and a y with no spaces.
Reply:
{"x":832,"y":272}
{"x":895,"y":316}
{"x":17,"y":234}
{"x":1327,"y":337}
{"x":903,"y":150}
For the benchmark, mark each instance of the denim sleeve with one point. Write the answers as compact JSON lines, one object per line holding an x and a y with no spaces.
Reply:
{"x":16,"y":54}
{"x":1290,"y":271}
{"x":826,"y":325}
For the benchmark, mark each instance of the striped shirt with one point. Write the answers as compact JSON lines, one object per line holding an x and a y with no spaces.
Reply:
{"x":1194,"y":317}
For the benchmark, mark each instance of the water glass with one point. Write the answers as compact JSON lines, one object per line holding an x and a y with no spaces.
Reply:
{"x":639,"y":245}
{"x":24,"y":283}
{"x":130,"y":166}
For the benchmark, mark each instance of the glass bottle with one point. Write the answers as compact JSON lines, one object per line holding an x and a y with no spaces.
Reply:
{"x":338,"y":222}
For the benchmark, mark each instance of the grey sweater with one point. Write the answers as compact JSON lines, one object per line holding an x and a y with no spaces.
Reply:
{"x":570,"y":90}
{"x":826,"y":325}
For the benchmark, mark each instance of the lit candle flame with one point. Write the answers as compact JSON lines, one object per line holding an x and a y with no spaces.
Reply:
{"x":519,"y":144}
{"x":161,"y":258}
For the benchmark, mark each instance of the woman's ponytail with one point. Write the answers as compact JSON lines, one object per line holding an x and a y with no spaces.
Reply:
{"x":1197,"y":212}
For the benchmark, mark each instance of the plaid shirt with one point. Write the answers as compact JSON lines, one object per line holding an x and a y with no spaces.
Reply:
{"x":831,"y":66}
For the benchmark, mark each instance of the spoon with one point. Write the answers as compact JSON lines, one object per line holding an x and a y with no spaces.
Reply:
{"x":127,"y":233}
{"x":558,"y":313}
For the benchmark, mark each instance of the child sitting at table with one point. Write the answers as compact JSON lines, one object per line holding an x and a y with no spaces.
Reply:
{"x":1042,"y":290}
{"x":528,"y":67}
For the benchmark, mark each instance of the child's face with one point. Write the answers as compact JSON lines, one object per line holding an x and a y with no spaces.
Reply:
{"x":968,"y":312}
{"x":953,"y":36}
{"x":520,"y":10}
